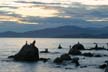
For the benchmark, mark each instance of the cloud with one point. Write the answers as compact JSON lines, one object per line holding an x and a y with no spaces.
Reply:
{"x":53,"y":14}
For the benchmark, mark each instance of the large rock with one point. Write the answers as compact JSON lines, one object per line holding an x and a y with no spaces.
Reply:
{"x":58,"y":60}
{"x":75,"y":50}
{"x":27,"y":53}
{"x":78,"y":46}
{"x":65,"y":57}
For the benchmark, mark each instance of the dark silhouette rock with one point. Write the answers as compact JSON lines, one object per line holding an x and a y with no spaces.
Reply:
{"x":102,"y":66}
{"x":58,"y":60}
{"x":78,"y":46}
{"x":27,"y":53}
{"x":46,"y":51}
{"x":60,"y":47}
{"x":97,"y":55}
{"x":75,"y":50}
{"x":44,"y":59}
{"x":76,"y":61}
{"x":88,"y":54}
{"x":106,"y":69}
{"x":97,"y":47}
{"x":65,"y":57}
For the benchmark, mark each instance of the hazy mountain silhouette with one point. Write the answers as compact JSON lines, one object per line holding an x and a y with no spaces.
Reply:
{"x":61,"y":32}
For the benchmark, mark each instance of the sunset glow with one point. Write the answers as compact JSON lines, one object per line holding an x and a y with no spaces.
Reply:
{"x":29,"y":11}
{"x":36,"y":11}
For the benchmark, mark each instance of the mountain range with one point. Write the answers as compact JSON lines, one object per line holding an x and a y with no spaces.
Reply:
{"x":61,"y":32}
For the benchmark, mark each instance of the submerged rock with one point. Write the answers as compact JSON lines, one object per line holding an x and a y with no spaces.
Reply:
{"x":46,"y":51}
{"x":27,"y":53}
{"x":88,"y":54}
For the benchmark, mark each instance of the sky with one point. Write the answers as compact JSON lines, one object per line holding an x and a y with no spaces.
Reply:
{"x":26,"y":15}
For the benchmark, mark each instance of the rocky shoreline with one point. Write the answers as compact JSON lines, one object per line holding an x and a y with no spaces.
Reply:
{"x":29,"y":52}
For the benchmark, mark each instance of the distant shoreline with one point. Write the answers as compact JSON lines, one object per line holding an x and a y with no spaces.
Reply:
{"x":58,"y":37}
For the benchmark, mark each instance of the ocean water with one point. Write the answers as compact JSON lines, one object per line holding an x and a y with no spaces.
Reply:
{"x":10,"y":46}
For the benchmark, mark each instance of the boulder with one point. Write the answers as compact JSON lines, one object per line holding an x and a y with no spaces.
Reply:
{"x":27,"y":53}
{"x":65,"y":57}
{"x":76,"y":61}
{"x":58,"y":60}
{"x":78,"y":46}
{"x":75,"y":50}
{"x":102,"y":66}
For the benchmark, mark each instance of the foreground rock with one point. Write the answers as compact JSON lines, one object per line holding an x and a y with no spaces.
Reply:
{"x":27,"y":53}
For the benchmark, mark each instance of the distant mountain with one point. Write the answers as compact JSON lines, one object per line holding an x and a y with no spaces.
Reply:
{"x":61,"y":32}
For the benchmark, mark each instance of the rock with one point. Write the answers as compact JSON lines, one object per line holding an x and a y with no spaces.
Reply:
{"x":102,"y":66}
{"x":83,"y":66}
{"x":88,"y":54}
{"x":97,"y":47}
{"x":75,"y":50}
{"x":46,"y":51}
{"x":27,"y":53}
{"x":106,"y":69}
{"x":44,"y":59}
{"x":78,"y":46}
{"x":97,"y":55}
{"x":76,"y":61}
{"x":59,"y":47}
{"x":58,"y":60}
{"x":65,"y":57}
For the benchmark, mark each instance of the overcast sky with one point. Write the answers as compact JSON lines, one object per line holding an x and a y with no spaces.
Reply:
{"x":17,"y":14}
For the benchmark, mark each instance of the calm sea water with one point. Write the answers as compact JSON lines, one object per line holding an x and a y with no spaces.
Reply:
{"x":10,"y":46}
